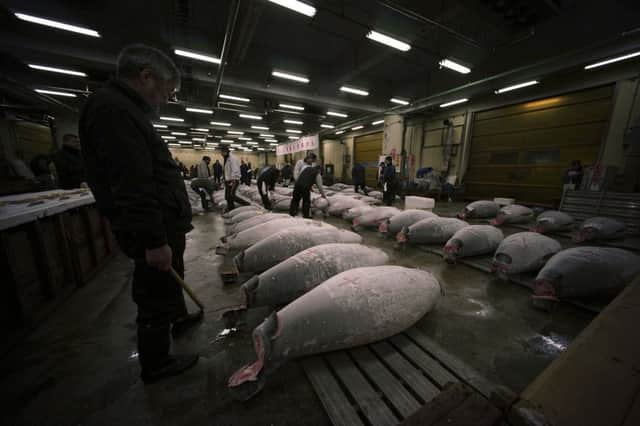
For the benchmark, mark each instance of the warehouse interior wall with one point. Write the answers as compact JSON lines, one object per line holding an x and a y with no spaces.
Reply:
{"x":624,"y":113}
{"x":333,"y":153}
{"x":191,"y":157}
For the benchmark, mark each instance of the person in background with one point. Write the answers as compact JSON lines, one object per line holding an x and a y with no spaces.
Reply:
{"x":357,"y":176}
{"x":309,"y":176}
{"x":231,"y":177}
{"x":243,"y":172}
{"x":249,"y":174}
{"x":69,"y":163}
{"x":266,"y":183}
{"x":287,"y":174}
{"x":193,"y":171}
{"x":217,"y":172}
{"x":381,"y":175}
{"x":138,"y":188}
{"x":389,"y":182}
{"x":203,"y":184}
{"x":302,"y":164}
{"x":41,"y":166}
{"x":203,"y":168}
{"x":574,"y":174}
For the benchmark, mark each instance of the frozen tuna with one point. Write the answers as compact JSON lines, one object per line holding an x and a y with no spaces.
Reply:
{"x":553,"y":221}
{"x":432,"y":230}
{"x":256,"y":220}
{"x":353,"y":308}
{"x":286,"y":243}
{"x":479,"y":210}
{"x":515,"y":213}
{"x":239,"y":210}
{"x":338,"y":204}
{"x":243,"y":216}
{"x":472,"y":240}
{"x":600,"y":228}
{"x":523,"y":252}
{"x":394,"y":224}
{"x":354,"y":212}
{"x":373,"y":218}
{"x":282,"y":205}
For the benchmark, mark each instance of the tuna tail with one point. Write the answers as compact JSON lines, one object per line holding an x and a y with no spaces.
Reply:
{"x":239,"y":261}
{"x":403,"y":235}
{"x":249,"y":289}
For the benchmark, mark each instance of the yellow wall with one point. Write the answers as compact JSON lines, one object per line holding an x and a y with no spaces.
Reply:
{"x":191,"y":156}
{"x":333,"y":153}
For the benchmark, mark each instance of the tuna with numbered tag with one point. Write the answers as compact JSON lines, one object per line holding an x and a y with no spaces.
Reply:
{"x":432,"y":230}
{"x":523,"y":252}
{"x":600,"y":228}
{"x":553,"y":221}
{"x":373,"y":218}
{"x":479,"y":210}
{"x":514,"y":213}
{"x":472,"y":240}
{"x":395,"y":224}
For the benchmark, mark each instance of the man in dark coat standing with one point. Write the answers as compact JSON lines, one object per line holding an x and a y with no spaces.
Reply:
{"x":217,"y":172}
{"x":357,"y":176}
{"x":69,"y":164}
{"x":267,"y":179}
{"x":390,"y":183}
{"x":138,"y":187}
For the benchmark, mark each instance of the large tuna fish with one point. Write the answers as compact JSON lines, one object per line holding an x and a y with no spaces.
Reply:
{"x":339,"y":203}
{"x":376,"y":194}
{"x":407,"y":218}
{"x":479,"y":210}
{"x":282,"y":205}
{"x":523,"y":252}
{"x":432,"y":230}
{"x":243,"y":216}
{"x":472,"y":240}
{"x":353,"y":308}
{"x":552,"y":221}
{"x":239,"y":210}
{"x":354,"y":212}
{"x":256,"y":220}
{"x":586,"y":272}
{"x":515,"y":213}
{"x":286,"y":243}
{"x":374,"y":217}
{"x":600,"y":228}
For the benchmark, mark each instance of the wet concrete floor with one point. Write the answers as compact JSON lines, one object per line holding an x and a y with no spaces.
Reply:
{"x":80,"y":366}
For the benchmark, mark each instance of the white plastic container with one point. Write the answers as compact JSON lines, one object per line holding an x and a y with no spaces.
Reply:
{"x":424,"y":203}
{"x":504,"y":201}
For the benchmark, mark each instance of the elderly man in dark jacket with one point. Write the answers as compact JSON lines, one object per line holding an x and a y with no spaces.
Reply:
{"x":358,"y":178}
{"x":138,"y":187}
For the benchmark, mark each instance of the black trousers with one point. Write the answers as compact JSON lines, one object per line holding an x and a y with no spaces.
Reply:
{"x":361,"y":185}
{"x":305,"y":195}
{"x":230,"y":194}
{"x":160,"y":303}
{"x":265,"y":199}
{"x":216,"y":179}
{"x":389,"y":195}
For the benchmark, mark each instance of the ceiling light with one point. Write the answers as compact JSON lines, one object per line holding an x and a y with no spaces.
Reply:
{"x":260,"y":149}
{"x":273,"y":144}
{"x":235,"y":98}
{"x":389,"y":41}
{"x":220,"y":103}
{"x":516,"y":86}
{"x":290,"y":76}
{"x":327,"y":126}
{"x":236,"y":145}
{"x":266,"y":135}
{"x":447,"y":63}
{"x":339,"y":132}
{"x":232,"y":149}
{"x":168,"y":137}
{"x":299,"y":123}
{"x":252,"y":143}
{"x":199,"y":139}
{"x":55,"y":93}
{"x":226,"y":141}
{"x":178,"y":134}
{"x":357,"y":128}
{"x":295,"y":138}
{"x":58,"y":70}
{"x":198,"y":56}
{"x":612,"y":60}
{"x":173,"y":144}
{"x":58,"y":25}
{"x":212,"y":144}
{"x":271,"y":140}
{"x":293,"y":131}
{"x":200,"y":110}
{"x":250,"y":116}
{"x":286,"y":111}
{"x":296,"y":6}
{"x":399,"y":101}
{"x":244,"y":139}
{"x":172,"y":119}
{"x":354,"y":91}
{"x":234,"y":132}
{"x":296,"y":107}
{"x":199,"y":129}
{"x":219,"y":123}
{"x":337,"y":114}
{"x":160,"y":126}
{"x":458,"y":101}
{"x":375,"y":123}
{"x":185,"y":142}
{"x":259,"y":127}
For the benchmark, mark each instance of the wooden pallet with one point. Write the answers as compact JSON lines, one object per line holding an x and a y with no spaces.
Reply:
{"x":386,"y":382}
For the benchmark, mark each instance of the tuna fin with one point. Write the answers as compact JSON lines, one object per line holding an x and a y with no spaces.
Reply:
{"x":249,"y":289}
{"x":239,"y":261}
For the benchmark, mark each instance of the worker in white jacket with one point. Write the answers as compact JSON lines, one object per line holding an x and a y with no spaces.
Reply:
{"x":231,"y":177}
{"x":303,"y":164}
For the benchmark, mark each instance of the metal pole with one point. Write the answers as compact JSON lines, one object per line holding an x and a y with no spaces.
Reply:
{"x":228,"y":36}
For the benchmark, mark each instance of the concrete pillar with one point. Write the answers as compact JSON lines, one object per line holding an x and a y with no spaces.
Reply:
{"x":613,"y":153}
{"x":392,"y":138}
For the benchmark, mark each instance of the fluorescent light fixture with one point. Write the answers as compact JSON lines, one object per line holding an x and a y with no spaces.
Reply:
{"x":375,"y":123}
{"x":389,"y":41}
{"x":235,"y":132}
{"x":185,"y":142}
{"x":612,"y":60}
{"x":458,"y":101}
{"x":293,"y":131}
{"x":296,"y":107}
{"x":226,"y":141}
{"x":299,"y":123}
{"x":295,"y":138}
{"x":339,"y":132}
{"x":172,"y":119}
{"x":286,"y":111}
{"x":354,"y":91}
{"x":197,"y":56}
{"x":234,"y":98}
{"x":448,"y":63}
{"x":327,"y":126}
{"x":236,"y":145}
{"x":399,"y":101}
{"x":55,"y":93}
{"x":168,"y":137}
{"x":337,"y":114}
{"x":233,"y":104}
{"x":232,"y":149}
{"x":271,"y":140}
{"x":273,"y":144}
{"x":516,"y":86}
{"x":178,"y":134}
{"x":220,"y":123}
{"x":296,"y":6}
{"x":199,"y":139}
{"x":199,"y":129}
{"x":242,"y":138}
{"x":212,"y":144}
{"x":250,"y":116}
{"x":200,"y":110}
{"x":260,"y":127}
{"x":266,"y":135}
{"x":289,"y":76}
{"x":160,"y":126}
{"x":260,"y":149}
{"x":357,"y":128}
{"x":58,"y":70}
{"x":252,"y":143}
{"x":58,"y":25}
{"x":173,"y":144}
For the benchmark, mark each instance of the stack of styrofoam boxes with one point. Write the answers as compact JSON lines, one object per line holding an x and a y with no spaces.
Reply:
{"x":423,"y":203}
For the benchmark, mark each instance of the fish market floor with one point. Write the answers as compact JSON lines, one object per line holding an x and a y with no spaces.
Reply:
{"x":80,"y":366}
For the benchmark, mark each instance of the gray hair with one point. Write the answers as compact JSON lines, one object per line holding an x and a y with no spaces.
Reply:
{"x":133,"y":58}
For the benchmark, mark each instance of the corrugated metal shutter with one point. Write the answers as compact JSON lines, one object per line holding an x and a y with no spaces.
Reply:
{"x":522,"y":150}
{"x":367,"y":151}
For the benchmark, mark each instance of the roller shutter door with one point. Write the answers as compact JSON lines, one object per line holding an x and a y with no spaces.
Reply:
{"x":522,"y":151}
{"x":367,"y":151}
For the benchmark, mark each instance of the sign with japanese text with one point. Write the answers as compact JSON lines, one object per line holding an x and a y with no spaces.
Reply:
{"x":305,"y":143}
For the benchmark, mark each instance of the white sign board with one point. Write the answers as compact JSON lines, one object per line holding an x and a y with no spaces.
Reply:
{"x":305,"y":143}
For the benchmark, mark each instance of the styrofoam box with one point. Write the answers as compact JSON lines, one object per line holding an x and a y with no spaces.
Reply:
{"x":413,"y":202}
{"x":504,"y":201}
